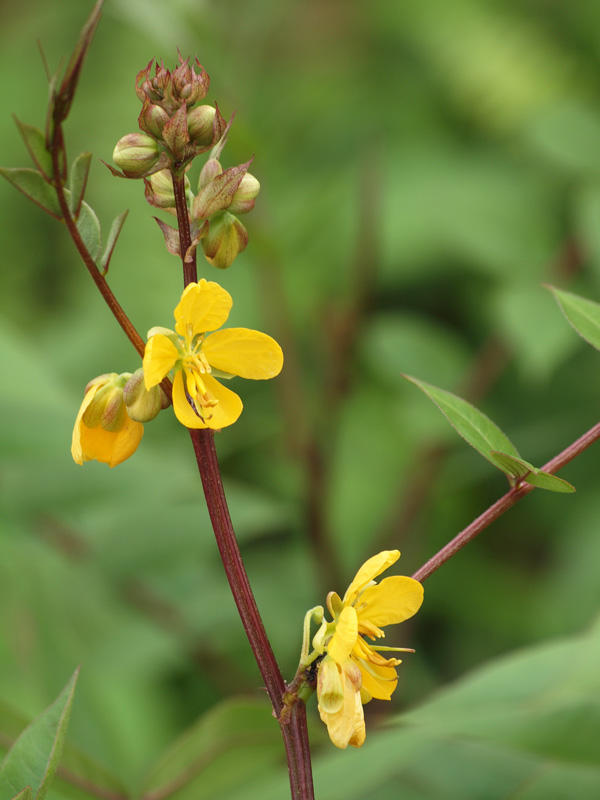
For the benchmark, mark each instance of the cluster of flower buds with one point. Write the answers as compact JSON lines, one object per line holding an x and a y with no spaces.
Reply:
{"x":174,"y":128}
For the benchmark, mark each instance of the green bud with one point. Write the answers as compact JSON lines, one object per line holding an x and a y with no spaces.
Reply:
{"x":226,"y":238}
{"x":209,"y":171}
{"x":107,"y":408}
{"x":152,"y":119}
{"x":200,"y":125}
{"x":245,"y":195}
{"x":143,"y":405}
{"x":159,"y":189}
{"x":135,"y":154}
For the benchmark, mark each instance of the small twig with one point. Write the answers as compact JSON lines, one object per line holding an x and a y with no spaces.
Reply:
{"x":503,"y":504}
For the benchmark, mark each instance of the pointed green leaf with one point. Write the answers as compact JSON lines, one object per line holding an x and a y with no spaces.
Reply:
{"x":35,"y":142}
{"x":35,"y":756}
{"x":78,"y":181}
{"x":24,"y":795}
{"x":583,"y":314}
{"x":544,"y":480}
{"x":512,"y":466}
{"x":88,"y":226}
{"x":477,"y":429}
{"x":32,"y":184}
{"x":115,"y":230}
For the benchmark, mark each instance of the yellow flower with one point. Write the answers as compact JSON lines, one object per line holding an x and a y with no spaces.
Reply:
{"x":103,"y":430}
{"x":199,"y":400}
{"x":363,"y":673}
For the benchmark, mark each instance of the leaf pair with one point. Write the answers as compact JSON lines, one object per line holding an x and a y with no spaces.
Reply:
{"x":487,"y":438}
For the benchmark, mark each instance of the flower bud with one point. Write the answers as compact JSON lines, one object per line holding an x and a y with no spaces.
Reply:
{"x":152,"y":119}
{"x":210,"y":170}
{"x":330,"y":688}
{"x":226,"y":238}
{"x":107,"y":408}
{"x":135,"y":154}
{"x":245,"y":195}
{"x":159,"y":189}
{"x":142,"y":404}
{"x":200,"y":125}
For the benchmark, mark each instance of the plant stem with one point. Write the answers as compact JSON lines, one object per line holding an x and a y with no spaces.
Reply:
{"x":503,"y":504}
{"x":292,"y":724}
{"x":57,"y":147}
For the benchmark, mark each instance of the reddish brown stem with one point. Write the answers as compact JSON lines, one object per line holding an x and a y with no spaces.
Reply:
{"x":106,"y":292}
{"x":503,"y":504}
{"x":293,"y":724}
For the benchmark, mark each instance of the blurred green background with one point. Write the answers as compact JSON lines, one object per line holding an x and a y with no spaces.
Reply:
{"x":425,"y":168}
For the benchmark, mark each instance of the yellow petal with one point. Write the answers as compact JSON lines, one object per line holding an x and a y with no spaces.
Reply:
{"x":160,"y":357}
{"x":228,"y":409}
{"x":344,"y":638}
{"x":110,"y":447}
{"x":393,"y":600}
{"x":204,"y":306}
{"x":379,"y":678}
{"x":76,"y":448}
{"x":244,"y":352}
{"x":346,"y":726}
{"x":379,"y":682}
{"x":369,"y":570}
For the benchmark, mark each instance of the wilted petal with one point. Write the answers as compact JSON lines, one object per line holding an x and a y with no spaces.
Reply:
{"x":346,"y":726}
{"x":204,"y":306}
{"x":160,"y":356}
{"x":369,"y":570}
{"x":244,"y":352}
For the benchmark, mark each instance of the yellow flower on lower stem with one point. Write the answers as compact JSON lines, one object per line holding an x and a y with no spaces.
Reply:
{"x":354,"y":671}
{"x":103,"y":430}
{"x":199,"y":400}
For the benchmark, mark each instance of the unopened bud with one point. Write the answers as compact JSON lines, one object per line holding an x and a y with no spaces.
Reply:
{"x":200,"y":125}
{"x":330,"y":689}
{"x":226,"y":238}
{"x":152,"y":119}
{"x":107,"y":408}
{"x":143,"y":404}
{"x":135,"y":154}
{"x":209,"y":171}
{"x":245,"y":195}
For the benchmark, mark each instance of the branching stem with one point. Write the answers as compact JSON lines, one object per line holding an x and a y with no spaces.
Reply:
{"x":503,"y":504}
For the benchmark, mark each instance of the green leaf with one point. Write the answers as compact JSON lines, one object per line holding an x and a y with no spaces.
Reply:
{"x":477,"y":429}
{"x":583,"y":314}
{"x":78,"y":181}
{"x":33,"y":185}
{"x":113,"y":235}
{"x":35,"y":142}
{"x":24,"y":795}
{"x":512,"y":466}
{"x":35,"y":756}
{"x":544,"y":480}
{"x":88,"y":226}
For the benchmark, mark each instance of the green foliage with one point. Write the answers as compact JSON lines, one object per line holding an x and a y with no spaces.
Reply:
{"x":583,"y":314}
{"x":487,"y":438}
{"x":442,"y":160}
{"x":34,"y":758}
